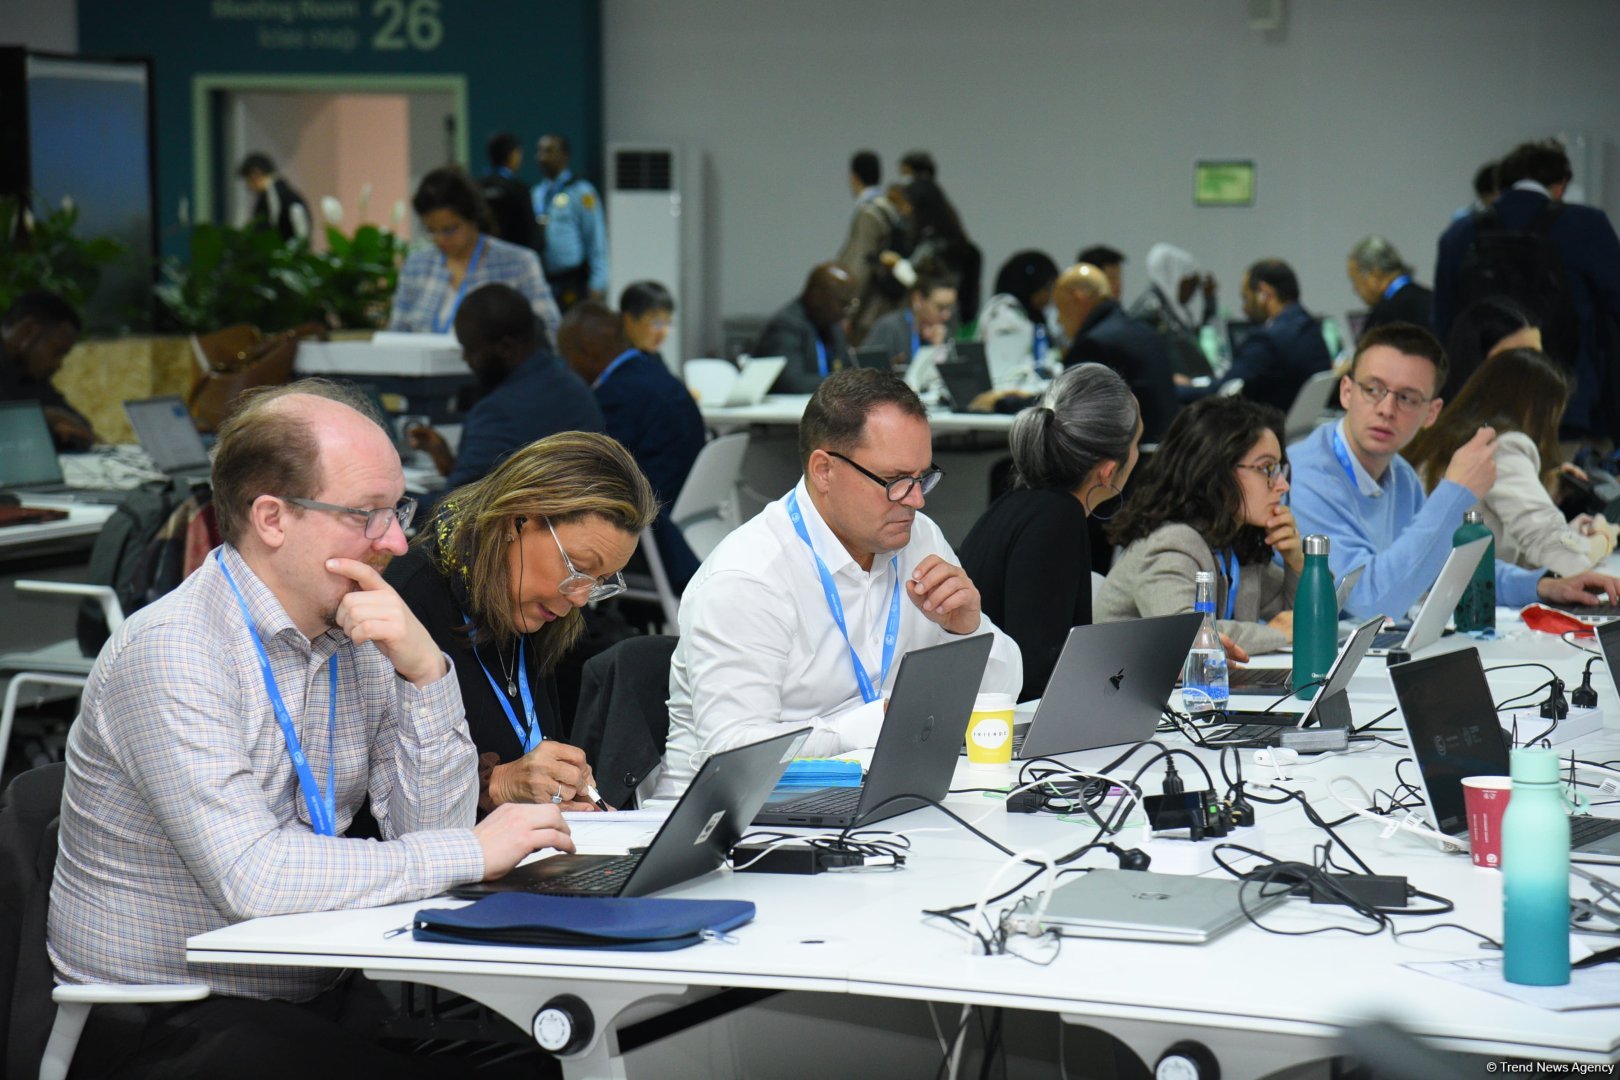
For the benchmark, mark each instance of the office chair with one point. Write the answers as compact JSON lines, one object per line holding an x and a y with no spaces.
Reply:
{"x":623,"y":719}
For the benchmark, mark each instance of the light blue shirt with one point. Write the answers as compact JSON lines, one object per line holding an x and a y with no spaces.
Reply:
{"x":576,"y":233}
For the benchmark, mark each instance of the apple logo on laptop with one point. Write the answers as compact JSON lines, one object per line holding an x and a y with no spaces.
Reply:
{"x":1116,"y":678}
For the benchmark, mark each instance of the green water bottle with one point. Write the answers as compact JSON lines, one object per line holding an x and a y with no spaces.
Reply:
{"x":1535,"y":874}
{"x":1476,"y":611}
{"x":1316,"y":619}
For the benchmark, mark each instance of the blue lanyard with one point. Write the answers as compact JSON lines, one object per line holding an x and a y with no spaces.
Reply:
{"x":532,"y":737}
{"x":322,"y":808}
{"x":1040,"y":342}
{"x":502,"y":170}
{"x":442,"y":326}
{"x":1342,"y":452}
{"x":890,"y":635}
{"x":916,"y":342}
{"x":614,"y":366}
{"x":1233,"y":572}
{"x":1396,"y":286}
{"x":821,"y":357}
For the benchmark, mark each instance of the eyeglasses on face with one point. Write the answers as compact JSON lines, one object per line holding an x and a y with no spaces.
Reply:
{"x":577,"y":584}
{"x":376,"y":519}
{"x":898,"y":489}
{"x":1273,"y":471}
{"x":1374,"y":391}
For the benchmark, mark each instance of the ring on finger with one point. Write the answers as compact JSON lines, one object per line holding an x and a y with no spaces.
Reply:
{"x":556,"y":796}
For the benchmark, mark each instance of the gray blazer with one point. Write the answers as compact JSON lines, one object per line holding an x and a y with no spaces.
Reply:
{"x":1154,"y":576}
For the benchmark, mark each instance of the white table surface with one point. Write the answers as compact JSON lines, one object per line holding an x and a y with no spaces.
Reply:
{"x":786,"y":409}
{"x":83,"y":520}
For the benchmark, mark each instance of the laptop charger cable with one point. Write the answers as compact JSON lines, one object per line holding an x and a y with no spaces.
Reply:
{"x":1584,"y":696}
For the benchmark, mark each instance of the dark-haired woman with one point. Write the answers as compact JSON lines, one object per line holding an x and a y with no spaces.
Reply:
{"x":463,"y":256}
{"x":1029,"y":554}
{"x":1485,"y":328}
{"x":1212,"y":499}
{"x":498,"y":579}
{"x":1012,"y":325}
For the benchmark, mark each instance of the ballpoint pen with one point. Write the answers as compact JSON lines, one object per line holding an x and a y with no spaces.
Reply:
{"x":596,"y":797}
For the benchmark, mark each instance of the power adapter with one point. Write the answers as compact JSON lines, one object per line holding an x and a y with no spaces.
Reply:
{"x":1584,"y":696}
{"x":1025,"y":802}
{"x":790,"y":859}
{"x":1374,"y":890}
{"x":1555,"y":707}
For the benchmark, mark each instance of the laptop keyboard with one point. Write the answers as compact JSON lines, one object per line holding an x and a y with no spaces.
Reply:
{"x":605,"y":878}
{"x":1244,"y":733}
{"x":1586,"y":829}
{"x":831,"y":801}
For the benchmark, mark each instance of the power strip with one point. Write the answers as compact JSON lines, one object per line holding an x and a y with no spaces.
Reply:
{"x":1532,"y":725}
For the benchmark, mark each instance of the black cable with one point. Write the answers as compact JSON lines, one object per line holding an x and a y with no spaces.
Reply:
{"x":1527,"y":663}
{"x":1369,"y":724}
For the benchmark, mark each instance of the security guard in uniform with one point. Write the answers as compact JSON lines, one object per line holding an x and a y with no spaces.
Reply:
{"x":572,"y":234}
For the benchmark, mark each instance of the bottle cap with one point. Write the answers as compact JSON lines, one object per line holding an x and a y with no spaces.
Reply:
{"x":1474,"y":517}
{"x":1316,"y":544}
{"x":1534,"y":766}
{"x":1201,"y":576}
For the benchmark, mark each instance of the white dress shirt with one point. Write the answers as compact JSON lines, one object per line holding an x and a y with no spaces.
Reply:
{"x":759,"y":652}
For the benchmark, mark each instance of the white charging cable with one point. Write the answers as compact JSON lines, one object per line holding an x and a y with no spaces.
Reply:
{"x":1048,"y":880}
{"x":1391,"y":824}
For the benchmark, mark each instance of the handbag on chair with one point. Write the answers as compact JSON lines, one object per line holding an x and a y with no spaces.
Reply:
{"x":239,"y":358}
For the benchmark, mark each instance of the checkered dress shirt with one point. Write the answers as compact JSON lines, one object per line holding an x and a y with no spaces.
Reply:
{"x":182,"y":812}
{"x":424,"y":285}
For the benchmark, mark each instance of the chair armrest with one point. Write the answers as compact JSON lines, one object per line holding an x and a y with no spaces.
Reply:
{"x":104,"y":595}
{"x":126,"y":994}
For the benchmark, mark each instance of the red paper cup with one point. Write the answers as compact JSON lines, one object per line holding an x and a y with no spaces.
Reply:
{"x":1484,"y":798}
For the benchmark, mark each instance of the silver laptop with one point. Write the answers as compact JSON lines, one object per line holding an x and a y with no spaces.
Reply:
{"x":1453,"y":728}
{"x":1437,"y":607}
{"x":1110,"y":685}
{"x":165,"y":430}
{"x":754,"y":381}
{"x":1139,"y":905}
{"x":28,"y":461}
{"x":1330,"y":708}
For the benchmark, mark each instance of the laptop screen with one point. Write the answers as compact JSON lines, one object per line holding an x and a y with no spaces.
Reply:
{"x":1608,"y":635}
{"x":27,"y":454}
{"x":1452,"y":721}
{"x":167,"y":434}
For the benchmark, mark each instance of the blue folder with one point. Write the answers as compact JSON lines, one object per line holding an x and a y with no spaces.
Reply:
{"x":644,"y":924}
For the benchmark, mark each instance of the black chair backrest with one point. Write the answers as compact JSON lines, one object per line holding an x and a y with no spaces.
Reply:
{"x":623,"y":717}
{"x":28,"y":816}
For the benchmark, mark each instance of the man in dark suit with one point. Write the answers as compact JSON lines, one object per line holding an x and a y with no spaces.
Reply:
{"x":1581,"y":331}
{"x":810,"y":331}
{"x":507,"y":196}
{"x":1285,"y":347}
{"x":1384,"y":283}
{"x":1100,"y":332}
{"x":646,"y":408}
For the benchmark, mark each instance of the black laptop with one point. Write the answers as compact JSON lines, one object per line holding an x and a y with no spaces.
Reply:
{"x":1330,"y":708}
{"x":695,"y":839}
{"x":916,"y":752}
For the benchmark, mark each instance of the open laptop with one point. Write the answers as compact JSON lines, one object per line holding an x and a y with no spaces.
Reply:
{"x":1438,"y":606}
{"x":1330,"y":708}
{"x":1453,"y":728}
{"x":695,"y":839}
{"x":916,"y":748}
{"x":1140,"y":905}
{"x":1109,"y":686}
{"x":754,"y":381}
{"x":963,"y":382}
{"x":1269,"y":680}
{"x":165,"y":430}
{"x":876,"y":359}
{"x":28,"y":461}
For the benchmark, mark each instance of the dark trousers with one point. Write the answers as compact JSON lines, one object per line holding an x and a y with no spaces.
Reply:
{"x":334,"y":1035}
{"x":569,"y":287}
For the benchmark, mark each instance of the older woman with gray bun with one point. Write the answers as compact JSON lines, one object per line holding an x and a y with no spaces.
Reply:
{"x":1029,"y":554}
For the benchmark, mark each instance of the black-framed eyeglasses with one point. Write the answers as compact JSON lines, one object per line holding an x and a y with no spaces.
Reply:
{"x":377,"y":519}
{"x":578,"y":584}
{"x":1374,"y":392}
{"x":1271,"y":470}
{"x":898,"y":489}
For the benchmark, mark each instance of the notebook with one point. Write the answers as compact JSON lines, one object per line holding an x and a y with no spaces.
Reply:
{"x":165,"y":430}
{"x":1139,"y":905}
{"x":916,"y":749}
{"x":1453,"y":728}
{"x":1109,"y":686}
{"x":28,"y":461}
{"x":695,"y":839}
{"x":1437,"y":607}
{"x":1330,"y":708}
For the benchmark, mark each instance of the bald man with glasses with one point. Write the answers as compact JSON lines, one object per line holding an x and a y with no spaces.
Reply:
{"x":1352,"y":485}
{"x":797,"y":618}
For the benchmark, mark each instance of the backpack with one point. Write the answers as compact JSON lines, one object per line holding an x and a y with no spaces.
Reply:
{"x":1524,"y":266}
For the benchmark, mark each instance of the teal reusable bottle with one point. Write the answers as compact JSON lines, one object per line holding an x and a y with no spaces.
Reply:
{"x":1476,"y":611}
{"x":1316,"y":618}
{"x":1535,"y":873}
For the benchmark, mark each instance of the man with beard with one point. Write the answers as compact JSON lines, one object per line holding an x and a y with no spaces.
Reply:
{"x":527,"y":392}
{"x":189,"y":802}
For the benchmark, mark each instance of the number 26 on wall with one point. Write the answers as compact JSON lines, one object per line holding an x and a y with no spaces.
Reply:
{"x":411,"y":24}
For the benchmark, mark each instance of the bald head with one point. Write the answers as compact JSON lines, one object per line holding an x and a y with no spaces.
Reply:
{"x":827,"y":294}
{"x":1078,"y":291}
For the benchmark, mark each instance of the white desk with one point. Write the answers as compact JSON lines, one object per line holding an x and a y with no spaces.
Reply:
{"x":786,"y":409}
{"x":83,"y":523}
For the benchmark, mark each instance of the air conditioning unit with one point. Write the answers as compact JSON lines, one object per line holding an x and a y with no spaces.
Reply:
{"x":651,"y":233}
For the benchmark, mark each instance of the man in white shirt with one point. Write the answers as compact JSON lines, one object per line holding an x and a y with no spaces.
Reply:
{"x":763,"y":647}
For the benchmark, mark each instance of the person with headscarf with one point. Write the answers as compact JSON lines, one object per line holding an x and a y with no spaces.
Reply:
{"x":1013,"y":323}
{"x":1174,"y":277}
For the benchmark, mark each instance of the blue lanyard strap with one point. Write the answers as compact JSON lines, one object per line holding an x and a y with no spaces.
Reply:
{"x":821,"y":357}
{"x":891,"y":633}
{"x":1229,"y":566}
{"x":916,"y":342}
{"x":1040,"y":343}
{"x":322,"y":807}
{"x":616,"y":363}
{"x":529,"y":737}
{"x":443,"y":325}
{"x":1342,"y":452}
{"x":1396,"y":286}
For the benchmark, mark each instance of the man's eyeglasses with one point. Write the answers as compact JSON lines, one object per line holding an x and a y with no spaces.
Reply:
{"x":376,"y":519}
{"x":1273,"y":471}
{"x":1373,"y":392}
{"x":898,"y":489}
{"x":577,"y":584}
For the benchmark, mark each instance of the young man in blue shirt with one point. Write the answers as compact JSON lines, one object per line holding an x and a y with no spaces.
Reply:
{"x":1352,"y":485}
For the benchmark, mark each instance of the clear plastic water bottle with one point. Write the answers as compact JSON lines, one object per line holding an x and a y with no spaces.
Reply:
{"x":1204,"y":689}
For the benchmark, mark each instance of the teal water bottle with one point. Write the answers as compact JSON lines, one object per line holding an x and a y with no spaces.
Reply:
{"x":1535,"y":874}
{"x":1476,"y":611}
{"x":1316,"y":618}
